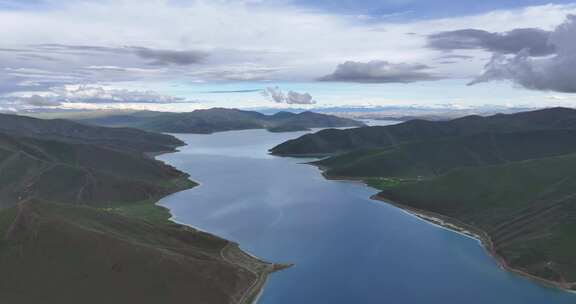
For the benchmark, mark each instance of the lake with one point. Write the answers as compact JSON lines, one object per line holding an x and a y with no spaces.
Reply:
{"x":346,"y":247}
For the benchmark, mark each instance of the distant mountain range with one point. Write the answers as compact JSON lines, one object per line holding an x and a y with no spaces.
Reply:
{"x":217,"y":120}
{"x":408,"y":112}
{"x":509,"y":179}
{"x":430,"y":158}
{"x":72,"y":132}
{"x":338,"y":141}
{"x":79,"y":224}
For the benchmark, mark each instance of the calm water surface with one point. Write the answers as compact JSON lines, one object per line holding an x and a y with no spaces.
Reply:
{"x":346,"y":247}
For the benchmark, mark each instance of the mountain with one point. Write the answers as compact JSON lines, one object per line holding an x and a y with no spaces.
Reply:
{"x":79,"y":224}
{"x":219,"y":119}
{"x":82,"y":174}
{"x":438,"y":156}
{"x":68,"y":131}
{"x":54,"y":253}
{"x":508,"y":180}
{"x":523,"y":211}
{"x":333,"y":141}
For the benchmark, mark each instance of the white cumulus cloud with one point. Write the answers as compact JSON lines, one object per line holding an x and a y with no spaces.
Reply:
{"x":292,"y":97}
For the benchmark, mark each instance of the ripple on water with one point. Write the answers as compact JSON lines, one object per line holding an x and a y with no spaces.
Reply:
{"x":346,"y":247}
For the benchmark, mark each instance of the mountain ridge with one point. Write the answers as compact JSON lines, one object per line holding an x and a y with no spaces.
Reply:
{"x":220,"y":119}
{"x":79,"y":222}
{"x":126,"y":139}
{"x":506,"y":179}
{"x":338,"y":141}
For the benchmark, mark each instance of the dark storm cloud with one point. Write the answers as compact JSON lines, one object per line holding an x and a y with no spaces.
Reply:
{"x":170,"y":57}
{"x":378,"y":71}
{"x":536,"y":41}
{"x":554,"y":73}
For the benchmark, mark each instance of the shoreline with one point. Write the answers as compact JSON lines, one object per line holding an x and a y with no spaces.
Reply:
{"x":481,"y":236}
{"x":252,"y":294}
{"x":236,"y":255}
{"x":456,"y":226}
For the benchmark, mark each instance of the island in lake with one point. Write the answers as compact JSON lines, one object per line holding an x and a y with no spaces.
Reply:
{"x":506,"y":179}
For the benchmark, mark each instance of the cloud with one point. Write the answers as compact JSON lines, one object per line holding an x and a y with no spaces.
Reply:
{"x":38,"y":101}
{"x":63,"y":48}
{"x":275,"y":94}
{"x":10,"y":83}
{"x":455,"y":56}
{"x":378,"y":71}
{"x":100,"y":94}
{"x":511,"y":42}
{"x":158,"y":43}
{"x":553,"y":73}
{"x":86,"y":94}
{"x":299,"y":98}
{"x":169,"y":57}
{"x":155,"y":56}
{"x":233,"y":91}
{"x":292,"y":97}
{"x":242,"y":72}
{"x":19,"y":103}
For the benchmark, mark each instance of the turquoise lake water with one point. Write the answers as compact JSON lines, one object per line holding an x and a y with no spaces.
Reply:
{"x":346,"y":247}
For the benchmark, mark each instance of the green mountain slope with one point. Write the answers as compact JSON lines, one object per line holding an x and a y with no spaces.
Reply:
{"x":80,"y":174}
{"x":219,"y":119}
{"x":52,"y":253}
{"x":337,"y":141}
{"x":79,"y":224}
{"x":527,"y":209}
{"x":507,"y":179}
{"x":126,"y":139}
{"x":438,"y":156}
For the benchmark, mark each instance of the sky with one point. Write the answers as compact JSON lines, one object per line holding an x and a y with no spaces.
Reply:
{"x":181,"y":55}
